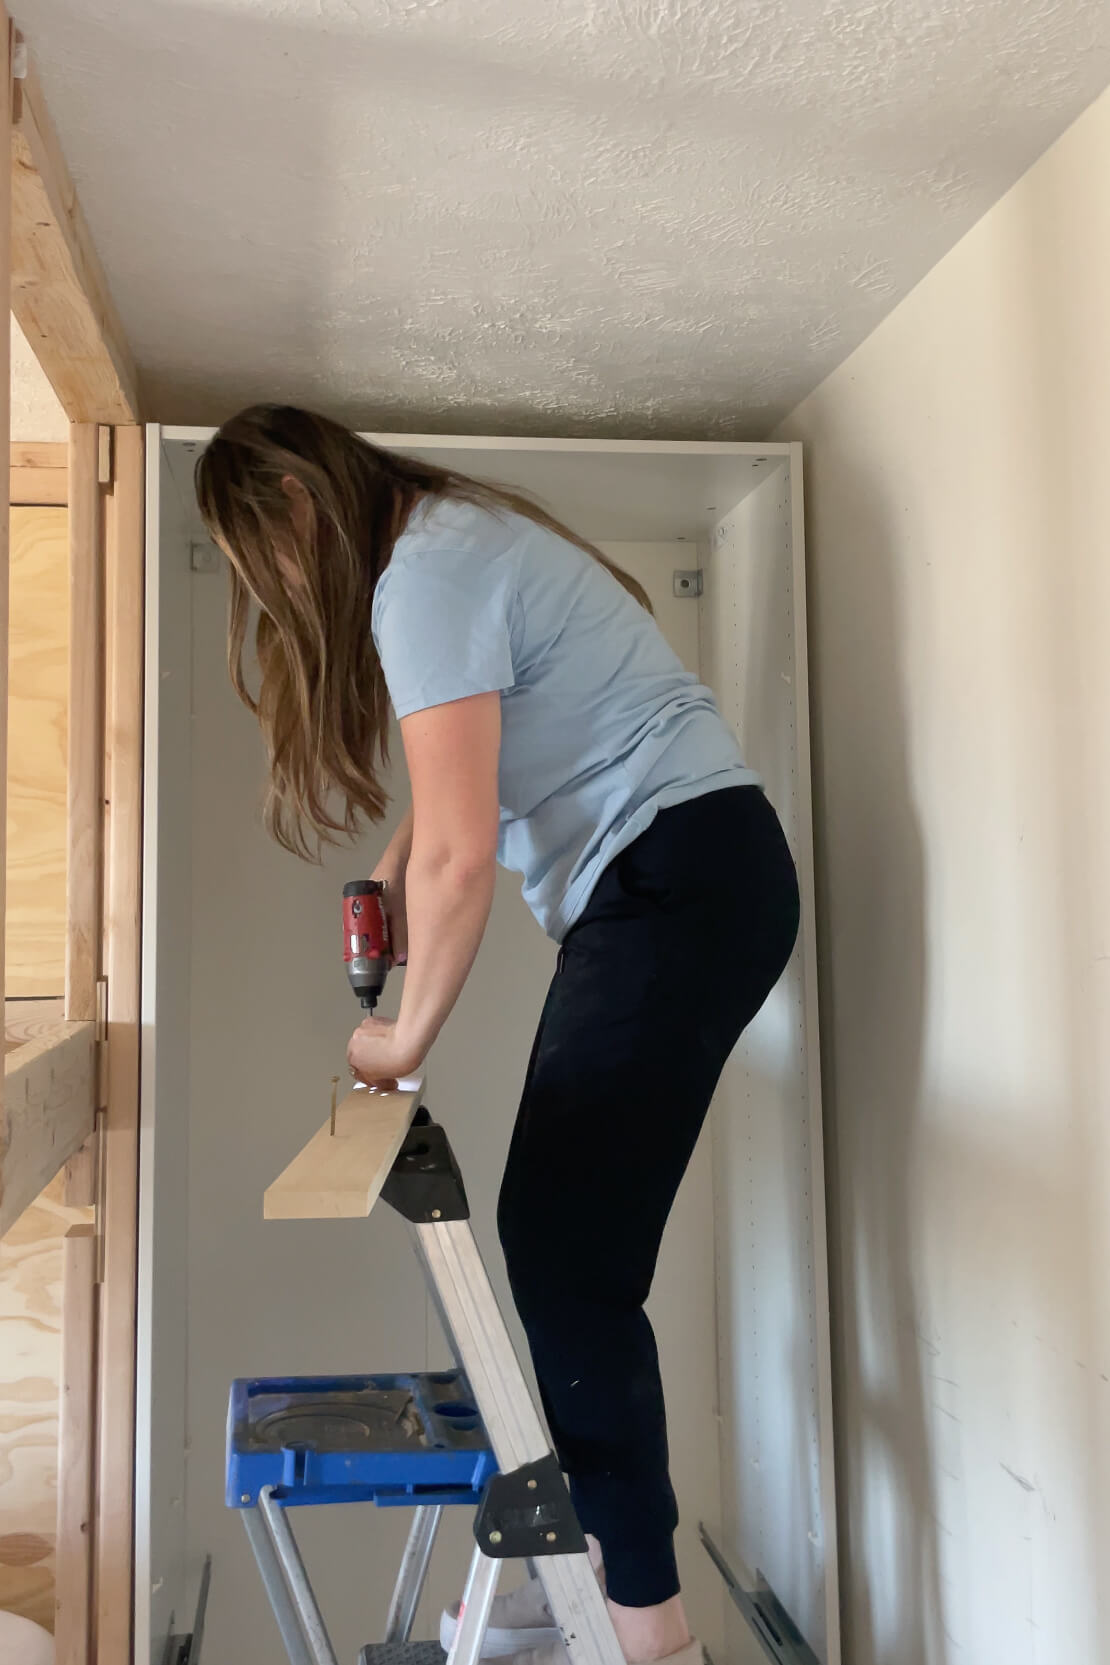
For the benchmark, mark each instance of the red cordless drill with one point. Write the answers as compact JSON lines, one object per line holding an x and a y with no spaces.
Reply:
{"x":366,"y":953}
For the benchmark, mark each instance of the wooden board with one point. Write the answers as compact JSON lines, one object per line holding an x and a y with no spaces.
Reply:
{"x":39,"y":473}
{"x":38,"y":698}
{"x":84,"y":880}
{"x":30,"y":1020}
{"x":76,"y":1415}
{"x":49,"y":1111}
{"x":58,"y":290}
{"x":340,"y":1177}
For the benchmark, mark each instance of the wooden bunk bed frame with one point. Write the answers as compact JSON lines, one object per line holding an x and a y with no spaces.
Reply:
{"x":71,"y":1091}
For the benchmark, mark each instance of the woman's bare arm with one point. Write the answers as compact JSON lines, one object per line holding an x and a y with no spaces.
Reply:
{"x":452,"y":752}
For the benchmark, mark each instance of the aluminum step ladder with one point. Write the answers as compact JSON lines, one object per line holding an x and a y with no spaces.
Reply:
{"x":472,"y":1436}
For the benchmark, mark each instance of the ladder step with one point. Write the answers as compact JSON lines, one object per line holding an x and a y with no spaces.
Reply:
{"x":401,"y":1653}
{"x":384,"y":1439}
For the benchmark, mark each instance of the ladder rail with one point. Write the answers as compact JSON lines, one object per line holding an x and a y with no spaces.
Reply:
{"x":474,"y":1323}
{"x":472,"y":1318}
{"x":477,"y":1603}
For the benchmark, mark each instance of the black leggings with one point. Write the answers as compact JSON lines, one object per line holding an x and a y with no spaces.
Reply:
{"x":684,"y":937}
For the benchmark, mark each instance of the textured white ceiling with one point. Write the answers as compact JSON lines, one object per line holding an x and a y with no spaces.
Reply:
{"x":539,"y":216}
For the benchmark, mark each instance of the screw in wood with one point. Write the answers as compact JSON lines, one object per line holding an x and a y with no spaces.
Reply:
{"x":334,"y":1091}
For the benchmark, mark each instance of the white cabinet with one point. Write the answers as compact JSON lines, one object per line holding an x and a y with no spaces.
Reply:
{"x":246,"y":1014}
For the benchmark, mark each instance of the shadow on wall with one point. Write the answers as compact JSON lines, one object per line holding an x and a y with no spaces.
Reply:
{"x":874,"y":986}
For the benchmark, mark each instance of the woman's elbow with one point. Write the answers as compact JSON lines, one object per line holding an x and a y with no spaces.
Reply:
{"x":456,"y":866}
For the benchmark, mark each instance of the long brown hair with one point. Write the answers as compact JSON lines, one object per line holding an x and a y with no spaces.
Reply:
{"x":310,"y":560}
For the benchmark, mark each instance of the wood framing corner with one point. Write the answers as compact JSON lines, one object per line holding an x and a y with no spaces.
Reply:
{"x":59,"y":293}
{"x":58,"y":1104}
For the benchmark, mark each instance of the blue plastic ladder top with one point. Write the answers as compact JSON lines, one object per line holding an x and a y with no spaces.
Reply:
{"x":397,"y":1439}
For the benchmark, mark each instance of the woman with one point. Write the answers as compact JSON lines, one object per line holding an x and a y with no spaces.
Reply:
{"x":547,"y":724}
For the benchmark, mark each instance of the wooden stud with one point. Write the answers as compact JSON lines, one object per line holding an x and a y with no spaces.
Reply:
{"x":104,"y":455}
{"x":59,"y":293}
{"x":49,"y":1111}
{"x":86,"y":726}
{"x":120,"y":1149}
{"x":38,"y":672}
{"x":76,"y":1438}
{"x":39,"y":474}
{"x":338,"y":1176}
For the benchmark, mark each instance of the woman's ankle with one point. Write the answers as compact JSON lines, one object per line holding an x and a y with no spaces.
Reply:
{"x":647,"y":1634}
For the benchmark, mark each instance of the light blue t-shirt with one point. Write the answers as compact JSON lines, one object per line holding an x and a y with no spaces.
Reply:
{"x":602,"y":726}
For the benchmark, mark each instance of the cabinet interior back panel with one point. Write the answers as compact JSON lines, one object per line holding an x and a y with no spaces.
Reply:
{"x":771,"y":1273}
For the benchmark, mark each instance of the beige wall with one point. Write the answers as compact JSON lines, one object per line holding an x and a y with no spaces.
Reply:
{"x":36,"y":412}
{"x":959,"y":546}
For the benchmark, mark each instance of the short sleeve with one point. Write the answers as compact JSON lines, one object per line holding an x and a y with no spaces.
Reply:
{"x":442,"y":623}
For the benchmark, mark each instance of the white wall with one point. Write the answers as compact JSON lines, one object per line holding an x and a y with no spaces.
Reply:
{"x":270,"y":1015}
{"x":958,"y":516}
{"x":778,"y":1505}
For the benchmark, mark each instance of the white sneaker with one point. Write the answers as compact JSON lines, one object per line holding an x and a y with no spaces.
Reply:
{"x":556,"y":1654}
{"x":519,"y":1620}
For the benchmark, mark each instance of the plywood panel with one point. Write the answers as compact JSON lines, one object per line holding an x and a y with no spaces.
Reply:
{"x":38,"y":673}
{"x":30,"y":1357}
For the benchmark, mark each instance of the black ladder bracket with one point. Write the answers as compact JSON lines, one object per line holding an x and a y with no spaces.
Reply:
{"x":528,"y":1512}
{"x":424,"y":1184}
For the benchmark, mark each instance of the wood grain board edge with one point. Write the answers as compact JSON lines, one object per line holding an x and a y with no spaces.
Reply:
{"x":73,"y":1583}
{"x":59,"y":293}
{"x":85,"y":799}
{"x":48,"y":1112}
{"x":39,"y":473}
{"x":340,"y":1177}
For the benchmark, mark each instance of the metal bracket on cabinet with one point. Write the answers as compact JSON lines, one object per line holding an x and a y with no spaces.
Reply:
{"x":776,"y":1631}
{"x":185,"y":1650}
